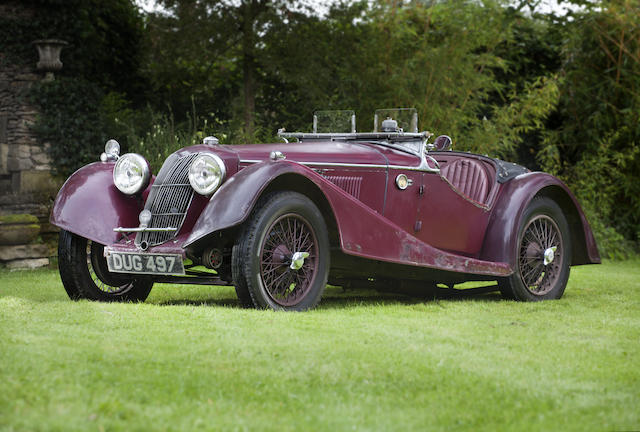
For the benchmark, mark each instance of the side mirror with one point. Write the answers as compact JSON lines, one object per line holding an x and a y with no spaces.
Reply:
{"x":442,"y":143}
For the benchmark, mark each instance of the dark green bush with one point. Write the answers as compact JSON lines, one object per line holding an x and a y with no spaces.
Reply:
{"x":71,"y":121}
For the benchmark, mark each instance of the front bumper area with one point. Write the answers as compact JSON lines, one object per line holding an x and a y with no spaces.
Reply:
{"x":127,"y":246}
{"x":172,"y":248}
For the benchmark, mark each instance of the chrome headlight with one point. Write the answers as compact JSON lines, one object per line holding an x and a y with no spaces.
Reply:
{"x":131,"y":173}
{"x":206,"y":173}
{"x":112,"y":148}
{"x":111,"y":151}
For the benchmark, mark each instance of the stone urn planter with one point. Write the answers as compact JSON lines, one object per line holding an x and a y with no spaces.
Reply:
{"x":49,"y":52}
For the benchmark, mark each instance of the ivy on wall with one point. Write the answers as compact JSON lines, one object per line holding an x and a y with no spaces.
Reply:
{"x":102,"y":57}
{"x":70,"y":120}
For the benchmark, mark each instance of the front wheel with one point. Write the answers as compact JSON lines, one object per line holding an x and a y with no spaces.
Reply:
{"x":543,"y":254}
{"x":281,"y":258}
{"x":84,"y":273}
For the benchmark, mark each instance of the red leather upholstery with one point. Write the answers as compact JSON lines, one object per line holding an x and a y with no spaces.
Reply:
{"x":469,"y":177}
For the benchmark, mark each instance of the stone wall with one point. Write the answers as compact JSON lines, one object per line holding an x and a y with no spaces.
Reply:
{"x":26,"y":185}
{"x":20,"y":150}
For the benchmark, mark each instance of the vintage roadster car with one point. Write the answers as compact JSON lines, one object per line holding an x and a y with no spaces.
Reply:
{"x":384,"y":209}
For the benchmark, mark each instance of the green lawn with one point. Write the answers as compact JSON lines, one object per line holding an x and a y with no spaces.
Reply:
{"x":190,"y":359}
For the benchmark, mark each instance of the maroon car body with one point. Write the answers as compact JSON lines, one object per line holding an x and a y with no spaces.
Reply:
{"x":459,"y":217}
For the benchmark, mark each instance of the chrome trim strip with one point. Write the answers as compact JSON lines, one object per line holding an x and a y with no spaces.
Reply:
{"x":421,"y":167}
{"x":355,"y":135}
{"x":336,"y":164}
{"x":144,"y":229}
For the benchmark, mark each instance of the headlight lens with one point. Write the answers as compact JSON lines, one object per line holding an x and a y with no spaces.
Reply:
{"x":206,"y":173}
{"x":131,"y":173}
{"x":112,"y":148}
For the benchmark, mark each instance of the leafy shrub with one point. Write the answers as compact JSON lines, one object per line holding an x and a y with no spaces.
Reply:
{"x":155,"y":135}
{"x":594,"y":141}
{"x":163,"y":138}
{"x":596,"y":183}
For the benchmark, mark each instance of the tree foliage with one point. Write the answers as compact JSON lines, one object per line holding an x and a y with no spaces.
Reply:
{"x":213,"y":47}
{"x":550,"y":91}
{"x":594,"y":140}
{"x":554,"y":92}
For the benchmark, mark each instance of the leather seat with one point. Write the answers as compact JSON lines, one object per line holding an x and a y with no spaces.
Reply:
{"x":469,"y":178}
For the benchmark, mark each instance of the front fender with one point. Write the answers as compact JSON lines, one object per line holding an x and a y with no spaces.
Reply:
{"x":89,"y":204}
{"x":232,"y":203}
{"x":500,"y":243}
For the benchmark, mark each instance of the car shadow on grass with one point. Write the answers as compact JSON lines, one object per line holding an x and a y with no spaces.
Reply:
{"x":220,"y":302}
{"x":355,"y":298}
{"x":336,"y":297}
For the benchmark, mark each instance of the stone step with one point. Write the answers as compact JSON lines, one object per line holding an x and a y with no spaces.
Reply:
{"x":10,"y":253}
{"x":27,"y":264}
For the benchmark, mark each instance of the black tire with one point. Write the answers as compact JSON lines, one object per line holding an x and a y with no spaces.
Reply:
{"x":84,"y":274}
{"x":283,"y":226}
{"x":239,"y":282}
{"x":543,"y":228}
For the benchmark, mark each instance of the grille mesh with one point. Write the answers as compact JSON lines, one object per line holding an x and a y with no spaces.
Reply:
{"x":168,"y":200}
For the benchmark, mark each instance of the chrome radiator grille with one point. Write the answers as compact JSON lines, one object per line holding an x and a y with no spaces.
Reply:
{"x":168,"y":200}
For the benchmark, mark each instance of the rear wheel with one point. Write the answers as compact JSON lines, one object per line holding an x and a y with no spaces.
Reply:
{"x":84,"y":273}
{"x":282,"y":256}
{"x":543,"y":254}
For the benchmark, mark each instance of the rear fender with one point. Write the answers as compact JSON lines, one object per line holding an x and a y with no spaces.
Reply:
{"x":89,"y":204}
{"x":362,"y":231}
{"x":500,"y":243}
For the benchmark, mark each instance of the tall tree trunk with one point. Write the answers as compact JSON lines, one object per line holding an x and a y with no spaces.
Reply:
{"x":249,"y":66}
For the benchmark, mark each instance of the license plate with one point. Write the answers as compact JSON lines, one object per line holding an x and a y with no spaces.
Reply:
{"x":141,"y":263}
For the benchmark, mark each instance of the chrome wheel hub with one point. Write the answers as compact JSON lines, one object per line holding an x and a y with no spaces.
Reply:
{"x":549,"y":255}
{"x":297,"y":260}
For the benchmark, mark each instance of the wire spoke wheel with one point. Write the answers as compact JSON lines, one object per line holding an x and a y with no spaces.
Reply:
{"x":281,"y":259}
{"x":287,"y":280}
{"x":542,"y":256}
{"x":541,"y":238}
{"x":95,"y":266}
